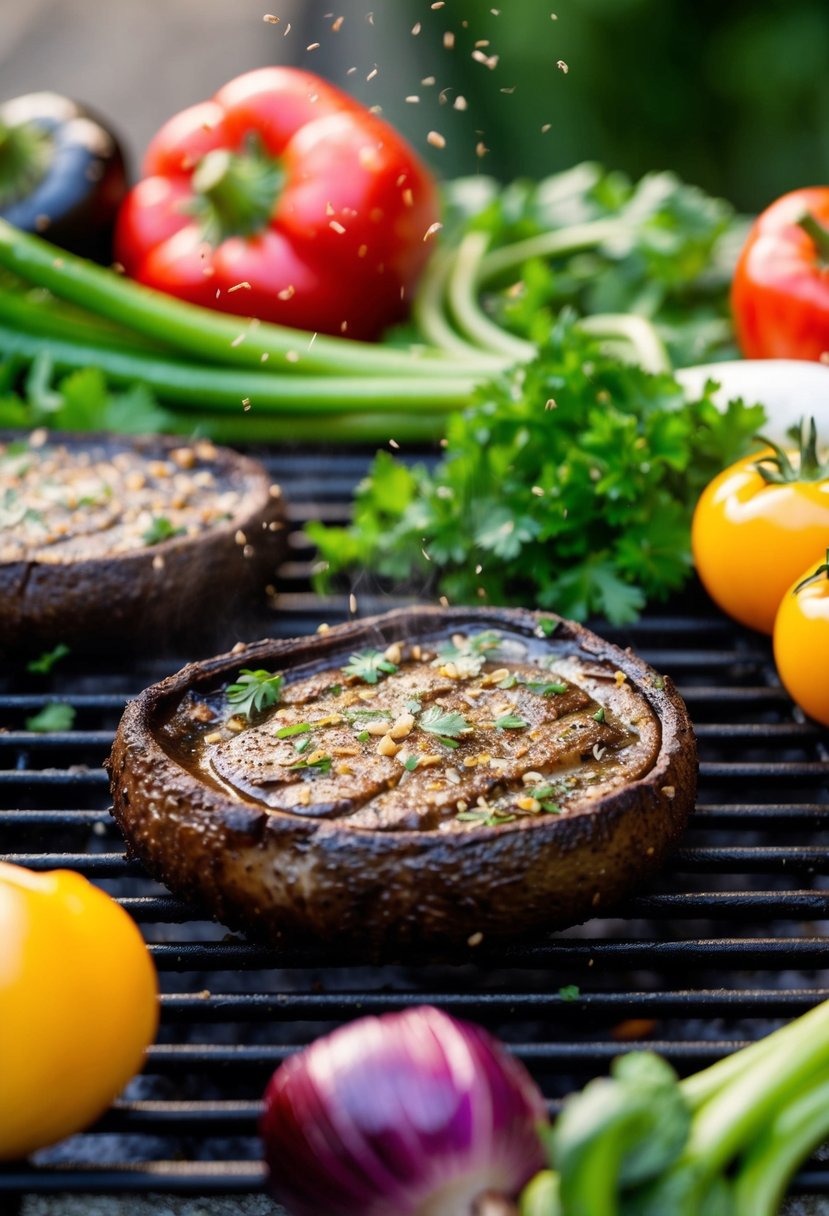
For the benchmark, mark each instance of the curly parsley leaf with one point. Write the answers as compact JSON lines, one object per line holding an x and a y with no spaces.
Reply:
{"x":160,"y":529}
{"x":569,"y":484}
{"x":254,"y":691}
{"x":55,"y":717}
{"x":370,"y":666}
{"x":43,"y":664}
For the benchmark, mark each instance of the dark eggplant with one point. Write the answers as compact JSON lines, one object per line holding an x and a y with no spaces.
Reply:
{"x":62,"y":173}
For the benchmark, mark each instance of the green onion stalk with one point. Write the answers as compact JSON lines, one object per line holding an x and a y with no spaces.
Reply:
{"x":248,"y":380}
{"x":724,"y":1142}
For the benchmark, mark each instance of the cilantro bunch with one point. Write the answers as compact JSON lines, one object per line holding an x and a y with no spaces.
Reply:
{"x":569,"y":485}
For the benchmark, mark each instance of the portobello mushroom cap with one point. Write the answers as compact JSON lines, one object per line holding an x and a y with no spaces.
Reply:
{"x":320,"y":872}
{"x":91,"y":587}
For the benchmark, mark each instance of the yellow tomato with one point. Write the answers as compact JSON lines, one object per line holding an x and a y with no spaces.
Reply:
{"x":751,"y":539}
{"x":801,"y":641}
{"x":78,"y":1005}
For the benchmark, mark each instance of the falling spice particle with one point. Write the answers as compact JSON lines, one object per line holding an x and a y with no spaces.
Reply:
{"x":246,"y":404}
{"x":436,"y":139}
{"x":562,"y":66}
{"x":352,"y":603}
{"x":432,"y":230}
{"x":313,"y":46}
{"x":548,"y":126}
{"x":337,"y":25}
{"x":239,"y":287}
{"x":263,"y":358}
{"x":481,"y":149}
{"x":372,"y":73}
{"x":238,"y":340}
{"x":413,"y":99}
{"x":489,"y":61}
{"x":271,"y":19}
{"x":449,"y":40}
{"x":428,"y":80}
{"x":416,"y":28}
{"x":286,"y":293}
{"x":394,"y":444}
{"x":287,"y":30}
{"x":460,"y":102}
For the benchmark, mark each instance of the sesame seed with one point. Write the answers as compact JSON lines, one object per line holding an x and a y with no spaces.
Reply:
{"x":313,"y":46}
{"x":460,"y":102}
{"x":436,"y":139}
{"x":271,"y":19}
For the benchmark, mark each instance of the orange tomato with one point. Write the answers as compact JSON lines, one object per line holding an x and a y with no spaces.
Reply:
{"x":752,"y":539}
{"x":78,"y":1005}
{"x":801,"y":642}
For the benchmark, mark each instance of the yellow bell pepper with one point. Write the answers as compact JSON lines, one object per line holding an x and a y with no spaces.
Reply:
{"x":78,"y":1005}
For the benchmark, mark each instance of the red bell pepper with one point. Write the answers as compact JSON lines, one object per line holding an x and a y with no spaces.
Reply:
{"x":285,"y":199}
{"x":780,"y":293}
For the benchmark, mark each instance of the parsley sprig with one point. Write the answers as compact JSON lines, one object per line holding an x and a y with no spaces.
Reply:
{"x":254,"y":691}
{"x":619,"y":457}
{"x":370,"y":666}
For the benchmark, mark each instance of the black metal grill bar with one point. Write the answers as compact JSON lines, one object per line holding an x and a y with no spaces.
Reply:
{"x":764,"y":1002}
{"x":154,"y":909}
{"x":171,"y":1177}
{"x":741,"y":860}
{"x":736,"y":954}
{"x":752,"y":960}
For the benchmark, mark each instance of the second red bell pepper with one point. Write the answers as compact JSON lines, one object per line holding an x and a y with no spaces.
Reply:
{"x":780,"y":294}
{"x":285,"y":199}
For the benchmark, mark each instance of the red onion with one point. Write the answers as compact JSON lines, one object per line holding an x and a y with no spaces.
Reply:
{"x":410,"y":1114}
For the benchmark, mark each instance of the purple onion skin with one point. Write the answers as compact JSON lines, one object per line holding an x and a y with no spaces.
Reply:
{"x":409,"y":1114}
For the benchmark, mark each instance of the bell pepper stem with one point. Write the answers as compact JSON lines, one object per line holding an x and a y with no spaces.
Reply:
{"x":818,"y":232}
{"x":236,"y":192}
{"x":25,"y":153}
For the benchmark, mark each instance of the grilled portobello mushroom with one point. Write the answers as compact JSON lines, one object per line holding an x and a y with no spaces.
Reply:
{"x":420,"y":777}
{"x":108,"y":539}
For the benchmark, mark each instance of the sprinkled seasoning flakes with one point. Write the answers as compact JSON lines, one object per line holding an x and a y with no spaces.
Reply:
{"x":59,"y":503}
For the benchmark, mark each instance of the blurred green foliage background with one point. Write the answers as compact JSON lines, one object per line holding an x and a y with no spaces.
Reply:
{"x":731,"y":94}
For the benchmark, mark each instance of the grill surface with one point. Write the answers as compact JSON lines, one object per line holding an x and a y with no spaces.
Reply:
{"x":722,"y":946}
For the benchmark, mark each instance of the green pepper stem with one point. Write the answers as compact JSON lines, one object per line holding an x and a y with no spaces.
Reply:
{"x":236,"y":192}
{"x":818,"y":232}
{"x":25,"y":153}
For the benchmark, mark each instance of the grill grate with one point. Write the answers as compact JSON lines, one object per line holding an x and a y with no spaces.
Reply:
{"x":722,"y":946}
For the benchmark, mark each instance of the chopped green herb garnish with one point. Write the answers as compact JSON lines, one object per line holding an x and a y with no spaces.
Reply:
{"x":411,"y":763}
{"x":413,"y":707}
{"x":570,"y":992}
{"x":542,"y":791}
{"x":43,"y":664}
{"x":302,"y":745}
{"x":437,"y":721}
{"x":369,"y":666}
{"x":364,"y":736}
{"x":335,"y":690}
{"x":298,"y":728}
{"x":486,"y":818}
{"x":599,"y":715}
{"x":547,"y":688}
{"x":511,"y":722}
{"x":658,"y":683}
{"x":547,"y":626}
{"x":477,"y":644}
{"x":551,"y":808}
{"x":254,"y":691}
{"x":509,"y":681}
{"x":56,"y":716}
{"x":159,"y":530}
{"x":352,"y":714}
{"x":322,"y":764}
